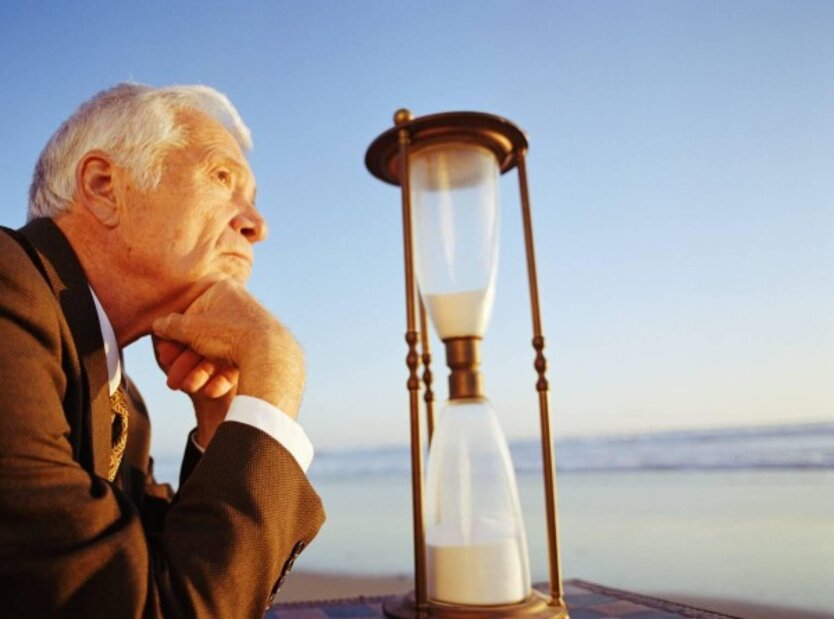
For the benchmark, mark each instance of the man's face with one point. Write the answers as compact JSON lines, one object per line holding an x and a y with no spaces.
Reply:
{"x":200,"y":222}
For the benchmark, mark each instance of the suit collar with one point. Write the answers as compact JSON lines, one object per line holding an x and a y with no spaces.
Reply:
{"x":69,"y":283}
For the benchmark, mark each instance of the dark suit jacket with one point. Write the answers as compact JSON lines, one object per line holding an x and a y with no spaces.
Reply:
{"x":73,"y":544}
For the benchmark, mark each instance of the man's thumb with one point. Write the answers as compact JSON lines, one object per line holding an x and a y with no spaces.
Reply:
{"x":172,"y":327}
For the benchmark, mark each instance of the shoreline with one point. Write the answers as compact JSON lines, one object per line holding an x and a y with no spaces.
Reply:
{"x":307,"y":586}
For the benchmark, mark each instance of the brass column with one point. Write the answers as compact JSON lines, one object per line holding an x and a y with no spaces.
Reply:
{"x":402,"y":117}
{"x":556,"y":591}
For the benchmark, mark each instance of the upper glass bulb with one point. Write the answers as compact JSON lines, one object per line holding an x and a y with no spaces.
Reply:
{"x":454,"y":197}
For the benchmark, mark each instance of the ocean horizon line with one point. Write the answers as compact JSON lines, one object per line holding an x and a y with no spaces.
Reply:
{"x":802,"y":446}
{"x":789,"y":447}
{"x":777,"y":428}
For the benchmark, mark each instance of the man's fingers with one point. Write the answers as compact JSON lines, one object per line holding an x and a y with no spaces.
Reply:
{"x":198,"y":377}
{"x":201,"y":334}
{"x":172,"y":327}
{"x":166,"y":352}
{"x":182,"y":367}
{"x":218,"y":386}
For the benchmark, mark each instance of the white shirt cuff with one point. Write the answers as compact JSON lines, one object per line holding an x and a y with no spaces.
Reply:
{"x":277,"y":424}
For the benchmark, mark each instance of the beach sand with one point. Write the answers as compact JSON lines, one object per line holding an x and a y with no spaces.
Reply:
{"x":302,"y":586}
{"x":307,"y":586}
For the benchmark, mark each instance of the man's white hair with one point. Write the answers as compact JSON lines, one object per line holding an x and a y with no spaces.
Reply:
{"x":136,"y":125}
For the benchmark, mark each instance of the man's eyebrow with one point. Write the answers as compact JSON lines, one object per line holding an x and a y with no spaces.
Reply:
{"x":221,"y":155}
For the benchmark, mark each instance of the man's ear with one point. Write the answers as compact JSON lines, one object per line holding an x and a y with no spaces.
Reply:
{"x":96,"y":186}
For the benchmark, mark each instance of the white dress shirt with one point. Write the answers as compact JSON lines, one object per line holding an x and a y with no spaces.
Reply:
{"x":244,"y":409}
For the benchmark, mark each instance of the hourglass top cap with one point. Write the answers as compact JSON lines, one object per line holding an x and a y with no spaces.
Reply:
{"x":503,"y":138}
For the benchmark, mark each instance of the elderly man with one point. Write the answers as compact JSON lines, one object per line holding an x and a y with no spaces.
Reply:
{"x":141,"y":221}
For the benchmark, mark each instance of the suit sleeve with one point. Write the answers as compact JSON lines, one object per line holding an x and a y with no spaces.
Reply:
{"x":190,"y":459}
{"x":71,"y":544}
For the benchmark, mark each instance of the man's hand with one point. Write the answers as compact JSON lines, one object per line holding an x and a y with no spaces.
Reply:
{"x":211,"y":386}
{"x":226,"y":326}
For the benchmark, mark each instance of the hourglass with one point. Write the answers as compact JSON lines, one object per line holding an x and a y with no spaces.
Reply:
{"x":470,"y":546}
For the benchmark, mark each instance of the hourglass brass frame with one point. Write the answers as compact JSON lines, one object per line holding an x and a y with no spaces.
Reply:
{"x":387,"y":158}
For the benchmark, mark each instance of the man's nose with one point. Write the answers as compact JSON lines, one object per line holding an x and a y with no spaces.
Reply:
{"x":251,"y":224}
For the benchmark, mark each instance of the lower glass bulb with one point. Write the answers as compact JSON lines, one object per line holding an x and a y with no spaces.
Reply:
{"x":476,"y":546}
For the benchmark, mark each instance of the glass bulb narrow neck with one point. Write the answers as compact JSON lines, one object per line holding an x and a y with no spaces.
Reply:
{"x":463,"y":356}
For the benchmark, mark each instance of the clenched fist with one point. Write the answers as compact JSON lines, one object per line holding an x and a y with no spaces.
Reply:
{"x":227,"y":328}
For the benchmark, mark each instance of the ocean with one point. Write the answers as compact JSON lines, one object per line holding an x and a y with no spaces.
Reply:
{"x":742,"y":514}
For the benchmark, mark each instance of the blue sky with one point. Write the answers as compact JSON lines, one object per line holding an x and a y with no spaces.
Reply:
{"x":681,"y":170}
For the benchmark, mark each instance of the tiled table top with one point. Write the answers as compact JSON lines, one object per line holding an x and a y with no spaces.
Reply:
{"x":585,"y":601}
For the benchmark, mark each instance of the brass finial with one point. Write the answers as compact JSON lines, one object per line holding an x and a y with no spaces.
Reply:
{"x":402,"y":116}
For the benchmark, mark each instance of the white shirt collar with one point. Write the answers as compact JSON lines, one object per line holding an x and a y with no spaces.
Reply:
{"x":111,"y":346}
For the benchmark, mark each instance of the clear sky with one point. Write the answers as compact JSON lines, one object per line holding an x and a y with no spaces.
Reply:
{"x":681,"y":170}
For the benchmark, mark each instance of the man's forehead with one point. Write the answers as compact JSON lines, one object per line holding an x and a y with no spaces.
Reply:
{"x":201,"y":130}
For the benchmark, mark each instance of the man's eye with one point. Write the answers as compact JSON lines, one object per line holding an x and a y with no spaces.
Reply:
{"x":224,"y":176}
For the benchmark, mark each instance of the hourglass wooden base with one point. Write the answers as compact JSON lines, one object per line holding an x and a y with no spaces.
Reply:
{"x":536,"y":606}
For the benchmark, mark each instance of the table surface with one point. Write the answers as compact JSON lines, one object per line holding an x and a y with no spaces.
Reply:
{"x":585,"y":601}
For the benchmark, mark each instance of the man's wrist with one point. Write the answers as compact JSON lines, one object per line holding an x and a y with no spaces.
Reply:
{"x":256,"y":387}
{"x":275,"y":375}
{"x":210,"y":413}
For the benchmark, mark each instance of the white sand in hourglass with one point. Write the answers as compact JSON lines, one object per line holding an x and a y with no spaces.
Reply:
{"x":461,"y":313}
{"x":485,"y":573}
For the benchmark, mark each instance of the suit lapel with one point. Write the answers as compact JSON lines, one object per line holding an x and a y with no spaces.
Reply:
{"x":72,"y":290}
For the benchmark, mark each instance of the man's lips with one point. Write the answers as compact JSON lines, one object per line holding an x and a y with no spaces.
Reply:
{"x":245,"y":257}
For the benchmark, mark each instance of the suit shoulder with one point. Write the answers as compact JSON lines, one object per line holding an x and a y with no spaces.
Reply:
{"x":21,"y":283}
{"x":27,"y":303}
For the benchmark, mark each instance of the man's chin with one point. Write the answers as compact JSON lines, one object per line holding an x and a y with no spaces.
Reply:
{"x":238,"y":269}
